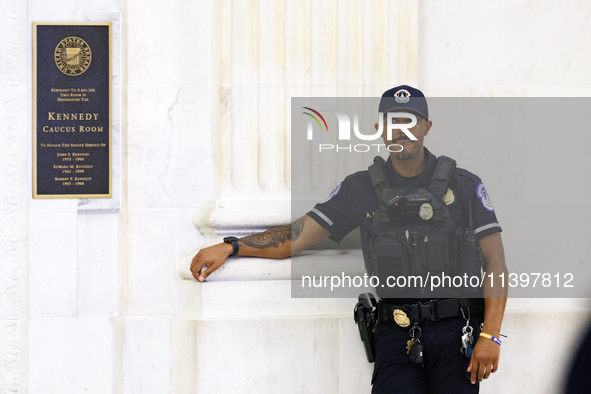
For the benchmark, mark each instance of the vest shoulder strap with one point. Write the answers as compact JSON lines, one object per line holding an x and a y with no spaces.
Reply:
{"x":379,"y":180}
{"x":376,"y":171}
{"x":387,"y":196}
{"x":442,"y":173}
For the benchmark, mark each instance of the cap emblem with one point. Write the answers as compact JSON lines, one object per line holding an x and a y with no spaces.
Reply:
{"x":402,"y":96}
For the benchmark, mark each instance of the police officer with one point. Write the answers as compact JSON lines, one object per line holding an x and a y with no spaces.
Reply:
{"x":437,"y":326}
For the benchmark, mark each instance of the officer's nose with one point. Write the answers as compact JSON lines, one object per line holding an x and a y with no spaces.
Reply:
{"x":400,"y":136}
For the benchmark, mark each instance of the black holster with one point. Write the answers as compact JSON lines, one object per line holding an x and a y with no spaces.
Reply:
{"x":365,"y":318}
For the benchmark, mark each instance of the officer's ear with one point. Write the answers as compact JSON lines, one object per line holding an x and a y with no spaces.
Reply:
{"x":384,"y":133}
{"x":377,"y":126}
{"x":428,"y":125}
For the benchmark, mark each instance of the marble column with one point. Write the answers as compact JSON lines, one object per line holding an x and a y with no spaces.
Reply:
{"x":264,"y":53}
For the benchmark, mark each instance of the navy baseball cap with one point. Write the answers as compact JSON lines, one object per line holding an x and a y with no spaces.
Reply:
{"x":404,"y":97}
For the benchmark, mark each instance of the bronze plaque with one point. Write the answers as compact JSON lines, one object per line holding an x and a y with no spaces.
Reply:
{"x":72,"y":110}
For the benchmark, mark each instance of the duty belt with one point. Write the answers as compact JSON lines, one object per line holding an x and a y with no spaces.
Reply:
{"x":432,"y":310}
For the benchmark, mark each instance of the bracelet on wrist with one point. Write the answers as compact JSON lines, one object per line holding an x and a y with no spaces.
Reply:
{"x":494,"y":339}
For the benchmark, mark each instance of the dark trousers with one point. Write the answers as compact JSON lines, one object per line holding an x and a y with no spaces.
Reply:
{"x":444,"y":370}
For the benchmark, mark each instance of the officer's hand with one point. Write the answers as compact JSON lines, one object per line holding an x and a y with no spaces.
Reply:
{"x":211,"y":258}
{"x":484,"y":360}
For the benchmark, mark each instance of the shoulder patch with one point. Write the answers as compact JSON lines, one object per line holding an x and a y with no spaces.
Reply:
{"x":484,"y":197}
{"x":333,"y":193}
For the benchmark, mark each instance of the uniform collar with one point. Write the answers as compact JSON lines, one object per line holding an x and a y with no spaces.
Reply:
{"x":421,"y":180}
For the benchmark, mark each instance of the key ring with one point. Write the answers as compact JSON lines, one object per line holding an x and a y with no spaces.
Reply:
{"x":412,"y":331}
{"x":467,"y":330}
{"x":464,"y":315}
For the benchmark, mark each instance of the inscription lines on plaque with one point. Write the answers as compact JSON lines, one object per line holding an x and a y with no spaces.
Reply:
{"x":73,"y":94}
{"x":69,"y":181}
{"x":77,"y":169}
{"x":72,"y":169}
{"x":64,"y":145}
{"x":77,"y":116}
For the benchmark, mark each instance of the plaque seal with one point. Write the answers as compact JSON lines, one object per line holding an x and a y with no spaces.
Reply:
{"x":72,"y":56}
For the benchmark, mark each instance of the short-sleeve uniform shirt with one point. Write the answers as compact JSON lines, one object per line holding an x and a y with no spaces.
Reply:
{"x":353,"y":202}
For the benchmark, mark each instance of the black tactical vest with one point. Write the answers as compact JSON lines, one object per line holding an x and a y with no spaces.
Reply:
{"x":413,"y":237}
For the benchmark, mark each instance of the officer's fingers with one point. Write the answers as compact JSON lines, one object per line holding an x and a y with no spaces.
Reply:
{"x":207,"y":271}
{"x":481,"y":369}
{"x":199,"y":275}
{"x":204,"y":272}
{"x":196,"y":264}
{"x":473,"y":368}
{"x":495,"y":366}
{"x":488,"y":371}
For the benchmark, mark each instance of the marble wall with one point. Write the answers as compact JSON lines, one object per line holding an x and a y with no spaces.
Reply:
{"x":96,"y":296}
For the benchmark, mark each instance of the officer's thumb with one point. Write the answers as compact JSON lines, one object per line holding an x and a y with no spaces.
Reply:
{"x":204,"y":273}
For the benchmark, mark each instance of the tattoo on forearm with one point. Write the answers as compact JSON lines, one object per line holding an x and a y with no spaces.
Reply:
{"x":296,"y":228}
{"x":271,"y":238}
{"x":275,"y":237}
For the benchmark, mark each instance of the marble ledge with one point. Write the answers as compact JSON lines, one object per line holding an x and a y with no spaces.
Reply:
{"x":262,"y":288}
{"x":253,"y":300}
{"x":252,"y":290}
{"x":272,"y":300}
{"x":242,"y":217}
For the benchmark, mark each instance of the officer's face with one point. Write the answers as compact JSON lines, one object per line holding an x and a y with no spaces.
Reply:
{"x":410,"y":147}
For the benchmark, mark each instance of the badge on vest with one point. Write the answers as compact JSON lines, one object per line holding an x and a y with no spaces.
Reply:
{"x":484,"y":197}
{"x":400,"y":318}
{"x":426,"y":211}
{"x":449,"y":197}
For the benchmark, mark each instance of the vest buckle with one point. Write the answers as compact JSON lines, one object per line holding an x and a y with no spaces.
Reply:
{"x":438,"y":218}
{"x":383,"y":217}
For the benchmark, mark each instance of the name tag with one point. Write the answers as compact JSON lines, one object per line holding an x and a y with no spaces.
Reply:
{"x":418,"y":199}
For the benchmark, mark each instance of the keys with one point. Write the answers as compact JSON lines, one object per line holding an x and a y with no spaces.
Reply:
{"x":467,"y":341}
{"x":416,"y":353}
{"x":414,"y":347}
{"x":467,"y":344}
{"x":409,"y":345}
